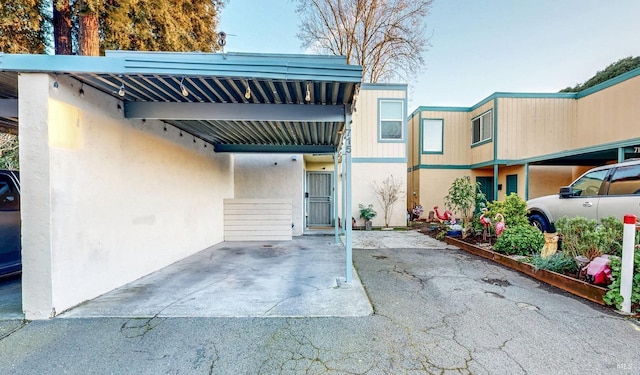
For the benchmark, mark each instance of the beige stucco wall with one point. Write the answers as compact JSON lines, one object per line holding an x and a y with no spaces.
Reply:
{"x":107,"y":200}
{"x":272,"y":176}
{"x":363,"y":177}
{"x":547,"y":180}
{"x":434,"y":186}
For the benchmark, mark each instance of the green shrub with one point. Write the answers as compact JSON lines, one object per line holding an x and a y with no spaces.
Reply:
{"x":520,"y":240}
{"x":558,"y":262}
{"x":610,"y":232}
{"x":514,"y":210}
{"x":367,"y":212}
{"x":613,"y":296}
{"x":581,"y":236}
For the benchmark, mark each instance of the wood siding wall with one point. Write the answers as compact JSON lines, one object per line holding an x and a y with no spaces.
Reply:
{"x":365,"y":127}
{"x":257,"y":219}
{"x":456,"y":138}
{"x":608,"y":116}
{"x":529,"y":127}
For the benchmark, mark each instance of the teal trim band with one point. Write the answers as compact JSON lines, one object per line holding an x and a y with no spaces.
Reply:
{"x":495,"y":130}
{"x":439,"y":109}
{"x":533,"y":95}
{"x":442,"y":166}
{"x":578,"y":151}
{"x":384,"y":86}
{"x":606,"y":84}
{"x":481,"y":143}
{"x":379,"y":160}
{"x":526,"y":181}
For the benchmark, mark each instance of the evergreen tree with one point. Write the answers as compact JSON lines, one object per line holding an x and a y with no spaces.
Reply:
{"x":23,"y":26}
{"x":617,"y":68}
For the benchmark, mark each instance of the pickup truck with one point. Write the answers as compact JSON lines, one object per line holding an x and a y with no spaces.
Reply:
{"x":10,"y":245}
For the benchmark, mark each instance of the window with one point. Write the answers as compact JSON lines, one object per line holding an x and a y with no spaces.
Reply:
{"x":625,"y":180}
{"x":9,"y":198}
{"x":432,"y":135}
{"x":589,"y":184}
{"x":482,"y":127}
{"x":391,"y":120}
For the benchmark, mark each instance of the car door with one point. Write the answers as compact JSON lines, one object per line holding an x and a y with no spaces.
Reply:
{"x":622,"y":195}
{"x":585,"y":198}
{"x":10,"y":246}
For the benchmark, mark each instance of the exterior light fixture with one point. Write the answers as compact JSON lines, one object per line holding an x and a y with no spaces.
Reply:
{"x":81,"y":91}
{"x":121,"y":92}
{"x":183,"y":89}
{"x":247,"y":94}
{"x":307,"y":97}
{"x":55,"y":83}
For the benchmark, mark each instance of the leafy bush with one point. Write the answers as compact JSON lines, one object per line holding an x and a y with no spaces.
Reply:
{"x":613,"y":296}
{"x":462,"y":198}
{"x":558,"y":262}
{"x":610,"y":232}
{"x":520,"y":240}
{"x":581,"y":236}
{"x":514,"y":210}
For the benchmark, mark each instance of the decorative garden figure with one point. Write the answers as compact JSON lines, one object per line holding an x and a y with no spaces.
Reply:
{"x":500,"y":226}
{"x":486,"y":223}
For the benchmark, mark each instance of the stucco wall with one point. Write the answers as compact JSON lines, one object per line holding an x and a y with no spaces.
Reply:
{"x":272,"y":176}
{"x":364,"y":175}
{"x":121,"y":198}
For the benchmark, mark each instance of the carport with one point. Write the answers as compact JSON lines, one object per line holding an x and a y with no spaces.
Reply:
{"x":126,"y":159}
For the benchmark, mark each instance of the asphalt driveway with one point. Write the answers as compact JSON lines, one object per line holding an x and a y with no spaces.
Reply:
{"x":436,"y":310}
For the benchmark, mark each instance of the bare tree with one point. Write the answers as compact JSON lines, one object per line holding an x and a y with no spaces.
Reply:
{"x":386,"y":37}
{"x":388,"y":193}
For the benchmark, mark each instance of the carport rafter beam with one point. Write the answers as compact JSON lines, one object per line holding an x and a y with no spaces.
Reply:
{"x":8,"y":107}
{"x":234,"y":111}
{"x":289,"y":149}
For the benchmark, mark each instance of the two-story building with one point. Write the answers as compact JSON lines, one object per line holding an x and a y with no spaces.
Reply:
{"x":525,"y":143}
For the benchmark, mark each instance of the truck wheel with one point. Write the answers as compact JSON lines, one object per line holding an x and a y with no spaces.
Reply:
{"x":540,"y":222}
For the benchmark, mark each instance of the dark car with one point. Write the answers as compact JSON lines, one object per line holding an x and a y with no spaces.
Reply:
{"x":10,"y":246}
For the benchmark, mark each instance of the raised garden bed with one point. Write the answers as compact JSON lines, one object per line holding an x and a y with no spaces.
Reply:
{"x":574,"y":286}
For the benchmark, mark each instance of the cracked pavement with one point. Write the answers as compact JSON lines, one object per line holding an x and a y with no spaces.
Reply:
{"x":438,"y":310}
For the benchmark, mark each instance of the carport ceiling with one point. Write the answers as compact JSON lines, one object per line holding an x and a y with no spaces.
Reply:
{"x":237,"y":102}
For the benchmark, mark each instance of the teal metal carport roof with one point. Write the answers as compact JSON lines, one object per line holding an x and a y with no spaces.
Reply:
{"x":238,"y":102}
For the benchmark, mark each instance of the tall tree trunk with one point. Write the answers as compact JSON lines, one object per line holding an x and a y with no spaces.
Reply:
{"x":62,"y":27}
{"x":89,"y":39}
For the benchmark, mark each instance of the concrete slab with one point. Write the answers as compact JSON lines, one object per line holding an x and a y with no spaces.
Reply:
{"x":299,"y":278}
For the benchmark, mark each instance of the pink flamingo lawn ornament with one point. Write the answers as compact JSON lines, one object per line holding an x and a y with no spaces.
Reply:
{"x":445,"y":216}
{"x":500,"y":226}
{"x":486,"y":223}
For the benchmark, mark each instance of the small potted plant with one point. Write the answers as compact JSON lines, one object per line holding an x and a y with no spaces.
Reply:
{"x":367,"y":213}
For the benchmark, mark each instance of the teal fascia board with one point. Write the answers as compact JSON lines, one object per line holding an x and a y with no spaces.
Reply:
{"x":606,"y":84}
{"x":442,"y":166}
{"x":379,"y":160}
{"x":439,"y":109}
{"x":384,"y":86}
{"x":210,"y":64}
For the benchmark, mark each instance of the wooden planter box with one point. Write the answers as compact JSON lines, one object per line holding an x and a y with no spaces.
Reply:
{"x":579,"y":288}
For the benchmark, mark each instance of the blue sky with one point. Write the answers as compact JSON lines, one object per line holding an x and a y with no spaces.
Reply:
{"x":478,"y":47}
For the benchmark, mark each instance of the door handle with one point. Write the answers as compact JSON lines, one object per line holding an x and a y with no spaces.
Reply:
{"x":587,"y":204}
